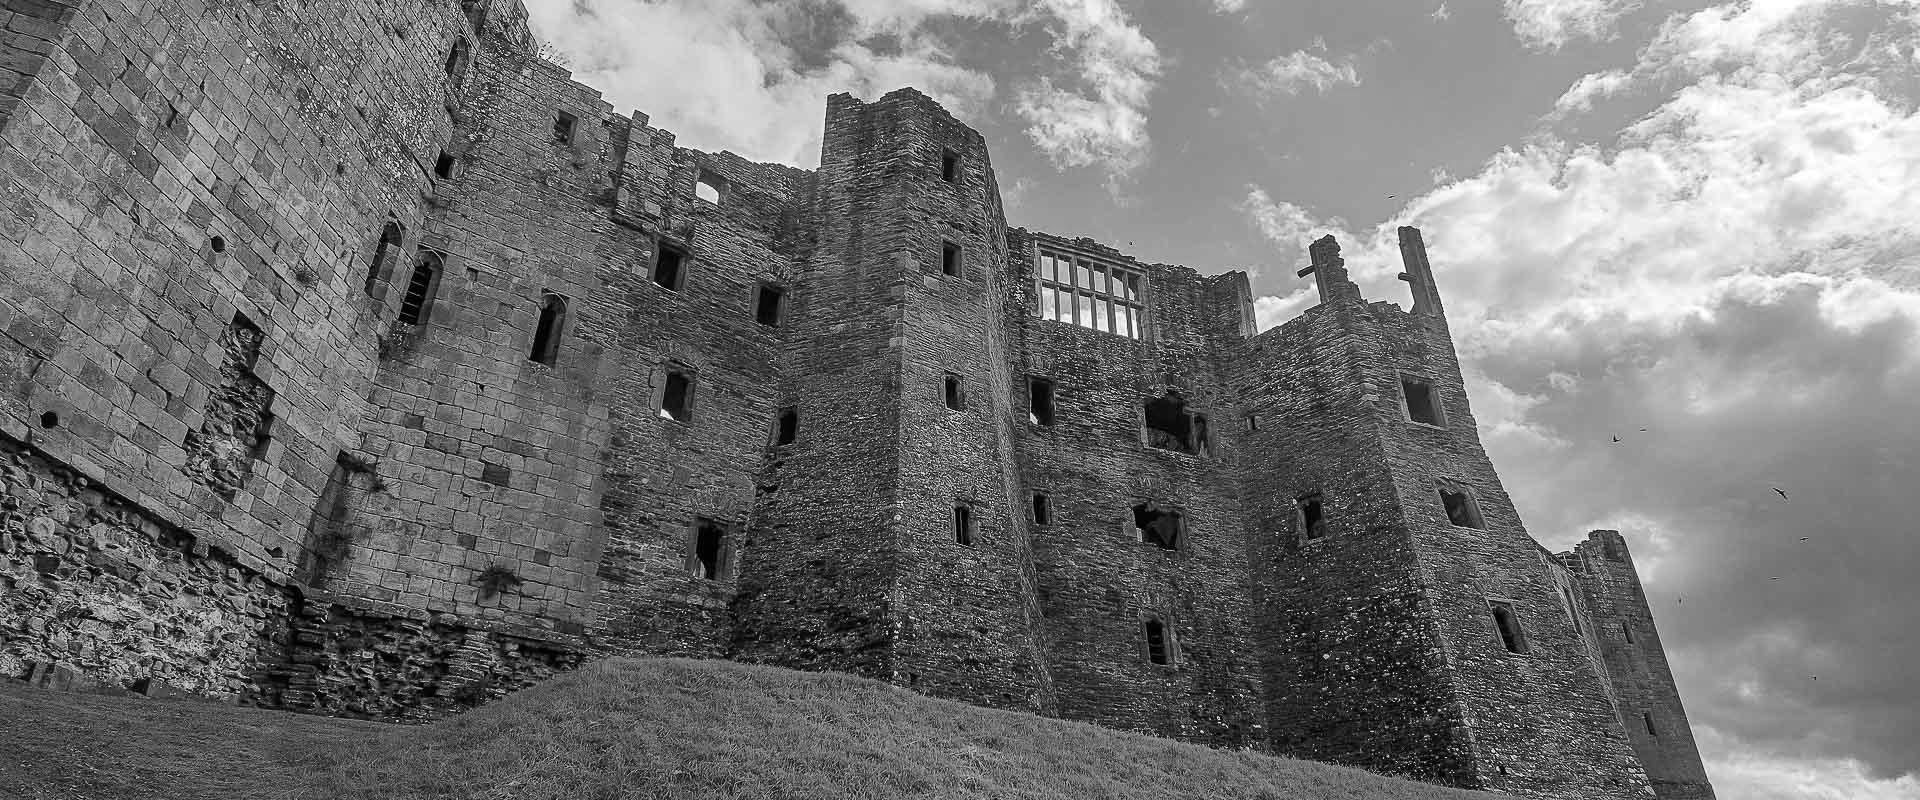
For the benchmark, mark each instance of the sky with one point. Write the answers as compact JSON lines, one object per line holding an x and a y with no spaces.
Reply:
{"x":1693,"y":225}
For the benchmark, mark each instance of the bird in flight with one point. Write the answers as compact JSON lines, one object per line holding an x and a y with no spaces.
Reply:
{"x":1804,"y":538}
{"x":1783,"y":495}
{"x":1389,"y":197}
{"x":1616,"y":440}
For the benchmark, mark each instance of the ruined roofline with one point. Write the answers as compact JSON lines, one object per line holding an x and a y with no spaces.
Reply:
{"x":1095,"y":248}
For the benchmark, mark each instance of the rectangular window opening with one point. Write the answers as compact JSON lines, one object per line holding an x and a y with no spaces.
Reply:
{"x":1039,"y":401}
{"x":443,"y":166}
{"x":1313,"y":518}
{"x":955,"y":396}
{"x":767,"y":303}
{"x":1091,"y":294}
{"x":963,"y":525}
{"x":1165,"y":528}
{"x":950,"y":258}
{"x":1646,"y":718}
{"x":669,"y":266}
{"x":1626,"y":631}
{"x":708,"y":188}
{"x":1042,"y":509}
{"x":1253,"y":422}
{"x":417,"y":304}
{"x":563,"y":125}
{"x":949,"y":166}
{"x":708,"y":560}
{"x":676,"y":399}
{"x":1462,"y":511}
{"x":1508,"y":624}
{"x":789,"y":427}
{"x":1159,"y":650}
{"x":1420,"y":401}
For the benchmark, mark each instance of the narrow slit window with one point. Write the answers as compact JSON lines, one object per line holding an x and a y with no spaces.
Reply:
{"x":1313,"y":516}
{"x":676,"y":398}
{"x":949,"y":166}
{"x":263,"y":436}
{"x":417,"y":305}
{"x":963,"y":525}
{"x":1042,"y":509}
{"x":1462,"y":511}
{"x":1646,"y":718}
{"x":1253,"y":422}
{"x":563,"y":126}
{"x":1159,"y":648}
{"x":955,"y":393}
{"x":669,"y":267}
{"x":390,"y":237}
{"x":1626,"y":631}
{"x":708,"y":559}
{"x":767,"y":304}
{"x":457,"y":59}
{"x":1202,"y":443}
{"x":1164,"y":528}
{"x":1508,"y":625}
{"x":1040,"y":401}
{"x":950,"y":258}
{"x":788,"y":429}
{"x":1421,"y":405}
{"x":546,"y":333}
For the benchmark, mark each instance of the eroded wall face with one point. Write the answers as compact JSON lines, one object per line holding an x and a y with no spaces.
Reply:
{"x":28,"y":34}
{"x":1621,"y":624}
{"x":1100,"y":582}
{"x":1342,"y":625}
{"x":1538,"y":720}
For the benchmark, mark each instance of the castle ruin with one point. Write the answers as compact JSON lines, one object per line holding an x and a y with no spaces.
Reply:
{"x":358,"y":361}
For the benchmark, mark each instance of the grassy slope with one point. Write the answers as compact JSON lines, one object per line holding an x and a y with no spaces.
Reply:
{"x":635,"y":729}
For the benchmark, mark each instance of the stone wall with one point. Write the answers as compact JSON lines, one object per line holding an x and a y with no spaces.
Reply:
{"x":1621,"y":624}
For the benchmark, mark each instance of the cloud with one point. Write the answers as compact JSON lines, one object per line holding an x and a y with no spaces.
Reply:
{"x":1104,"y":120}
{"x":1738,"y":272}
{"x":1551,"y":24}
{"x":1229,"y":6}
{"x":1579,"y":98}
{"x":1287,"y":225}
{"x":1441,"y":14}
{"x":753,"y":76}
{"x":1290,"y":74}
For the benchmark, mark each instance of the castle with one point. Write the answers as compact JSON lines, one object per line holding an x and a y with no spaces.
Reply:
{"x":358,"y":361}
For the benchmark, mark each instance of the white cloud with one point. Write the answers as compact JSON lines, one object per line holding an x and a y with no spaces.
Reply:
{"x":1229,"y":6}
{"x":1441,"y":14}
{"x":1287,"y":225}
{"x":1102,"y":118}
{"x":1579,"y":98}
{"x":1551,"y":24}
{"x":1300,"y":70}
{"x":753,"y":76}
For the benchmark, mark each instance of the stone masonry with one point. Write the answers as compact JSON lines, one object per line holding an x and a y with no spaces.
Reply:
{"x":355,"y":360}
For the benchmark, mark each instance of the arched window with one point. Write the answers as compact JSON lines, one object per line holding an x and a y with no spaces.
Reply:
{"x":546,"y":335}
{"x":418,"y":302}
{"x":457,"y":59}
{"x":389,"y":241}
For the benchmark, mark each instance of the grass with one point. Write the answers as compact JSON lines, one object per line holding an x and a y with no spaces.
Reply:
{"x":635,"y":728}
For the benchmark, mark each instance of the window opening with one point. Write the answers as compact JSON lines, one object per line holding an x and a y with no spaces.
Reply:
{"x":767,"y":303}
{"x":1171,"y":427}
{"x":443,"y":166}
{"x":546,"y":334}
{"x":1039,"y":401}
{"x":709,"y":549}
{"x":563,"y":125}
{"x":1042,"y":509}
{"x":963,"y":525}
{"x":949,"y":166}
{"x":1508,"y":624}
{"x":1313,"y":518}
{"x":390,"y":237}
{"x":669,"y":266}
{"x":457,"y":59}
{"x":1420,"y":401}
{"x":1253,"y":422}
{"x":1158,"y":649}
{"x":1092,"y":294}
{"x":1164,"y":528}
{"x":708,"y":188}
{"x":950,"y":258}
{"x":262,"y":436}
{"x":1462,"y":512}
{"x":1646,"y":717}
{"x":417,"y":304}
{"x":955,"y":396}
{"x":1626,"y":630}
{"x":676,"y":399}
{"x":789,"y":427}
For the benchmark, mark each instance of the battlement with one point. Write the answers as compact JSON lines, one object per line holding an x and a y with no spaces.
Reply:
{"x":373,"y":366}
